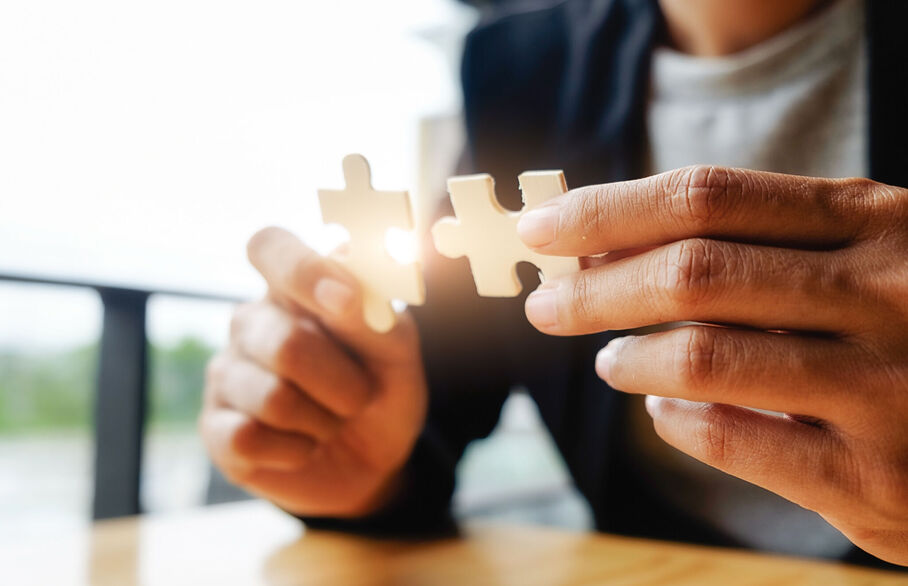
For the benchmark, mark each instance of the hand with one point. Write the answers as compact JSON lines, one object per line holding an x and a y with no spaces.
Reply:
{"x":804,"y":283}
{"x":309,"y":407}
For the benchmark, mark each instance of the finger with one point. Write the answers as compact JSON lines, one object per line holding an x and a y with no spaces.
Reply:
{"x":700,"y":280}
{"x":254,"y":391}
{"x":317,"y":284}
{"x":778,"y":372}
{"x":238,"y":443}
{"x":797,"y":461}
{"x":701,"y":201}
{"x":323,"y":288}
{"x":588,"y":262}
{"x":309,"y":492}
{"x":297,"y":349}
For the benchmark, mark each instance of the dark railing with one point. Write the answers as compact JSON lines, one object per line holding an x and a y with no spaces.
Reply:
{"x":121,"y":398}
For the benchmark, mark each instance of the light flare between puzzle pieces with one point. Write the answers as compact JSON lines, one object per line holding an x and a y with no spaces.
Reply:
{"x":483,"y":231}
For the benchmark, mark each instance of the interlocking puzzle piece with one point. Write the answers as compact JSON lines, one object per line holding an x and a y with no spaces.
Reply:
{"x":367,"y":215}
{"x":486,"y":233}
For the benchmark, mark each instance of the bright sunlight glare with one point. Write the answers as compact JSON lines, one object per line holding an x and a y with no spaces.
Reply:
{"x":402,"y":245}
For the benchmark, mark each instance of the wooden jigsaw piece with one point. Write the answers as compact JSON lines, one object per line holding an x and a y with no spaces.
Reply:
{"x":486,"y":233}
{"x":367,"y":215}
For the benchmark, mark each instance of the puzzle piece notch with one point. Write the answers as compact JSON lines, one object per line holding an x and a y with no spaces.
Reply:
{"x":486,"y":233}
{"x":367,"y":215}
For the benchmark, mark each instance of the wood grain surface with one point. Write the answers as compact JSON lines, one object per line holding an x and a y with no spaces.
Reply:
{"x":255,"y":544}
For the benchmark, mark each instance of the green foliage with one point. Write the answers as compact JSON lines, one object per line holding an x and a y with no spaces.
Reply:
{"x":55,"y":390}
{"x":46,"y":390}
{"x":177,"y":377}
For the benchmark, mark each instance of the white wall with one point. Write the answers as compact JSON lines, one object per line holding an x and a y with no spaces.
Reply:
{"x":141,"y":143}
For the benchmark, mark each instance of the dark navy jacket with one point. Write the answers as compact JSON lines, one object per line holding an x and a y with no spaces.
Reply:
{"x":565,"y":86}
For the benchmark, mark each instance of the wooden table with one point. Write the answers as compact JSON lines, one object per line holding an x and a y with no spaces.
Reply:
{"x":255,"y":544}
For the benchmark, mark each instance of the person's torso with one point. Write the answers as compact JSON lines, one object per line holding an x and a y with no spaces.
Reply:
{"x":793,"y":104}
{"x":566,"y":86}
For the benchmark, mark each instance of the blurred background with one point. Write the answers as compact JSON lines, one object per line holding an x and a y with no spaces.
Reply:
{"x":141,"y":144}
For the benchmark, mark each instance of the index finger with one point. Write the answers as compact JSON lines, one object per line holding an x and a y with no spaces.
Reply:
{"x":296,"y":272}
{"x":701,"y":201}
{"x":302,"y":279}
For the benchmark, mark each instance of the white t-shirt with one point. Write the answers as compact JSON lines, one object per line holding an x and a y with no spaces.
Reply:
{"x":794,"y":104}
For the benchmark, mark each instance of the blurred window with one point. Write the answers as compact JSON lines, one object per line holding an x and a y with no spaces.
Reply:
{"x":517,"y":474}
{"x":48,"y":358}
{"x":142,"y":144}
{"x":183,"y":334}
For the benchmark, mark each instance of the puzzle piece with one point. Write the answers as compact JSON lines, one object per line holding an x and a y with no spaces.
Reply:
{"x":486,"y":233}
{"x":368,"y":214}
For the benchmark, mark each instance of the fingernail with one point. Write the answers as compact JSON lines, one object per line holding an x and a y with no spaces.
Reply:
{"x":542,"y":307}
{"x":652,"y":404}
{"x":606,"y":358}
{"x":537,"y":227}
{"x":334,"y":296}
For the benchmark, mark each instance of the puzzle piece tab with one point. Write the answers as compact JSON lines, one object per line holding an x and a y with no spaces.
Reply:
{"x":486,"y":233}
{"x":367,"y":215}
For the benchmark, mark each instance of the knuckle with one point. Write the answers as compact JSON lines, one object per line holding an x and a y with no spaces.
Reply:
{"x":244,"y":442}
{"x":712,"y":436}
{"x":700,"y":193}
{"x":838,"y":282}
{"x":583,"y":306}
{"x":696,"y":358}
{"x":690,"y":271}
{"x":590,"y":213}
{"x":864,"y":187}
{"x":899,"y":199}
{"x":295,"y":343}
{"x":347,"y":401}
{"x":279,"y":404}
{"x":306,"y":271}
{"x":864,"y":195}
{"x":870,"y":207}
{"x":892,"y":205}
